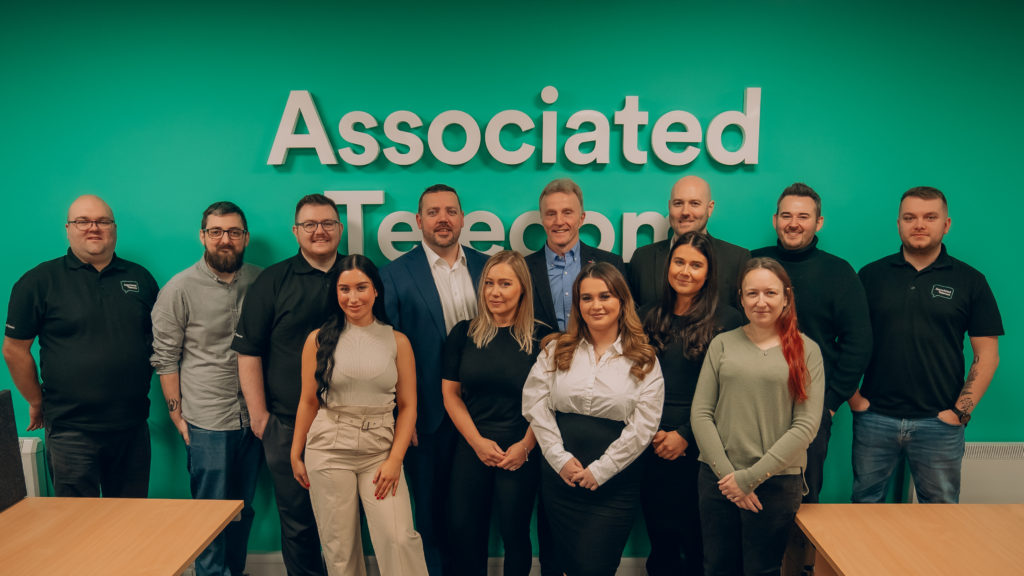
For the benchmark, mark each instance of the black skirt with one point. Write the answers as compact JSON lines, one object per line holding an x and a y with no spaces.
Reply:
{"x":590,"y":528}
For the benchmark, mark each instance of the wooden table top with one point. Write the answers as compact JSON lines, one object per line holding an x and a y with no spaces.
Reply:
{"x":910,"y":539}
{"x":108,"y":536}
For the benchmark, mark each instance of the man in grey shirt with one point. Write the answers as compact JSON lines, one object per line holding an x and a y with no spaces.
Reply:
{"x":193,"y":324}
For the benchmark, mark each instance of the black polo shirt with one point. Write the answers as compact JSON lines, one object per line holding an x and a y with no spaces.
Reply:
{"x":286,"y":302}
{"x":919,"y":319}
{"x":95,"y":339}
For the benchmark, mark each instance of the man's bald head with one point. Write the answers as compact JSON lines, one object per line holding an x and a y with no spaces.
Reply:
{"x":92,"y":233}
{"x":690,"y":205}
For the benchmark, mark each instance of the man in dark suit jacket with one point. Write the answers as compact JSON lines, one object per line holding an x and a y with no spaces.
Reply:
{"x":689,"y":208}
{"x":554,"y":267}
{"x":426,"y":292}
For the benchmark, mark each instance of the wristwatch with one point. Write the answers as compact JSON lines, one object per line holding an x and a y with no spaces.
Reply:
{"x":964,"y":417}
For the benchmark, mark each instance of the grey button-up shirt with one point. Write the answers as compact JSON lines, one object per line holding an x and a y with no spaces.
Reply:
{"x":193,"y":324}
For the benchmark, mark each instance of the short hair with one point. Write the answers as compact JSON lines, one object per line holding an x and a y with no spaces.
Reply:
{"x":925,"y":193}
{"x":802,"y":190}
{"x":223,"y":208}
{"x":435,"y":189}
{"x":562,"y":186}
{"x":315,"y":200}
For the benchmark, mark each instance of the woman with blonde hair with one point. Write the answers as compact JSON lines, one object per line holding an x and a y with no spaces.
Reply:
{"x":486,"y":361}
{"x":594,"y":401}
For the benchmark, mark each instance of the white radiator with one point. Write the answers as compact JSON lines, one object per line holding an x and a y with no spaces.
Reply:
{"x":32,"y":463}
{"x":992,"y":473}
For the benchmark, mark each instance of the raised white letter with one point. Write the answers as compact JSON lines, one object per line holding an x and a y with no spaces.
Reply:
{"x":661,"y":136}
{"x":353,"y":201}
{"x":300,"y":103}
{"x":393,"y":130}
{"x":517,"y":232}
{"x":631,"y":223}
{"x":549,"y":127}
{"x":749,"y":122}
{"x":495,"y":232}
{"x":604,"y":226}
{"x":348,"y":132}
{"x":387,"y":235}
{"x":435,"y":137}
{"x":492,"y":137}
{"x":599,"y":136}
{"x":631,"y":119}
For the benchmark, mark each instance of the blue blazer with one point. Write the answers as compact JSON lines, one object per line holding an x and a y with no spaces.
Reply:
{"x":414,"y":308}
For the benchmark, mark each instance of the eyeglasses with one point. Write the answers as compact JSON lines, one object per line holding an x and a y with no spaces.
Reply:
{"x":310,"y":226}
{"x":233,"y":233}
{"x":84,"y":224}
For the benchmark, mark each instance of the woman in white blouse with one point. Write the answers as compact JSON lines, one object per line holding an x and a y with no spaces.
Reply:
{"x":594,"y":402}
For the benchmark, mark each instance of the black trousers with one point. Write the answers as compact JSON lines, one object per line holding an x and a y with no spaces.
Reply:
{"x":90,"y":464}
{"x":741,"y":543}
{"x":590,"y":528}
{"x":300,"y":542}
{"x":428,"y":469}
{"x":816,"y":454}
{"x":475,"y":487}
{"x":671,"y":514}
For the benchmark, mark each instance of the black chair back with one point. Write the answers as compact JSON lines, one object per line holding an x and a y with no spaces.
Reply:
{"x":12,"y":477}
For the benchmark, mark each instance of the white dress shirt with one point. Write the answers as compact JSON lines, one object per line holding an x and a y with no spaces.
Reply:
{"x":602,"y":388}
{"x":454,"y":286}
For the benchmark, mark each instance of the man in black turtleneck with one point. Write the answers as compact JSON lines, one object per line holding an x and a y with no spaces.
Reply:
{"x":831,"y":309}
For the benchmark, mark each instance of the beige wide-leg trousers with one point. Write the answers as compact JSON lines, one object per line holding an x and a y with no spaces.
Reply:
{"x":344,"y":449}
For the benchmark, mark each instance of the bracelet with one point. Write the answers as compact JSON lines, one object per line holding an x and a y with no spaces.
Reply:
{"x":526,"y":457}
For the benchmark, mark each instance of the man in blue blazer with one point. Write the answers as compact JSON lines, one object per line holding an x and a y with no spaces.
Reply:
{"x":426,"y":292}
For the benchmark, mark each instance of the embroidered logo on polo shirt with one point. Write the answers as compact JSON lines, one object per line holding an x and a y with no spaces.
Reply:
{"x":129,"y":286}
{"x":940,"y":291}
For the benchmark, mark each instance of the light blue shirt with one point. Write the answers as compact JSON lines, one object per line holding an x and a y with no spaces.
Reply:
{"x":562,"y":272}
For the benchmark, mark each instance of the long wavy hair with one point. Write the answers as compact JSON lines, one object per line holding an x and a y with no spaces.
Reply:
{"x":786,"y":326}
{"x":482,"y":329}
{"x":635,"y":346}
{"x":699,"y":321}
{"x":330,"y":331}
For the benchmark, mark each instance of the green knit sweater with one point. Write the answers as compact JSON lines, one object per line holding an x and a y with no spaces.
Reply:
{"x":744,"y":419}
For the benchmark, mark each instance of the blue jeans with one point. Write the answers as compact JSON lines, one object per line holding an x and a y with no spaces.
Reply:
{"x":933,"y":448}
{"x":224,"y":465}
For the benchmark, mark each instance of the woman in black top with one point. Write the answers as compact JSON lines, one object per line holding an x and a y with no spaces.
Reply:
{"x":680,"y":327}
{"x":486,"y":361}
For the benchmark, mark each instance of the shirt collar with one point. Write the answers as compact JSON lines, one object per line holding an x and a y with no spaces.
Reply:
{"x":204,"y":267}
{"x":943,"y":260}
{"x":798,"y":254}
{"x":616,"y":346}
{"x":302,"y":266}
{"x":74,"y":263}
{"x":433,"y":257}
{"x":550,"y":256}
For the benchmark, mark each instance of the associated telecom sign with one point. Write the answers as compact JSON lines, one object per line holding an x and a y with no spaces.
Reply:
{"x":510,"y":136}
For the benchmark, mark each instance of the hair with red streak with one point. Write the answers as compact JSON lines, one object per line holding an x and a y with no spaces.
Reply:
{"x":786,"y":325}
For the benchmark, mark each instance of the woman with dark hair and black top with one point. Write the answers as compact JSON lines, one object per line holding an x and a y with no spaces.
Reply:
{"x":594,"y":401}
{"x":349,"y":445}
{"x":495,"y":465}
{"x":757,"y":407}
{"x":680,"y":328}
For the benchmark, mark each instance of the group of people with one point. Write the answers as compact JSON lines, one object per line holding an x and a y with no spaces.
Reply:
{"x":697,"y":384}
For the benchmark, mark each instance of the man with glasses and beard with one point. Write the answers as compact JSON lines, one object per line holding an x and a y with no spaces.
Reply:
{"x":90,"y":391}
{"x":193,"y":322}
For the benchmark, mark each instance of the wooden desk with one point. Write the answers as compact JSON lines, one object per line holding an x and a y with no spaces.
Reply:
{"x":910,"y":539}
{"x":108,"y":536}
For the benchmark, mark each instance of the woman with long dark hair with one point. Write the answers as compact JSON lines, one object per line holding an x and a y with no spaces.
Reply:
{"x":495,"y":465}
{"x":680,"y":327}
{"x":349,"y":446}
{"x":757,"y":407}
{"x":594,"y":400}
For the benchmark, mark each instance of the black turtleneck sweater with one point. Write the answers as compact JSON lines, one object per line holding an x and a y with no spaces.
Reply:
{"x":832,"y":310}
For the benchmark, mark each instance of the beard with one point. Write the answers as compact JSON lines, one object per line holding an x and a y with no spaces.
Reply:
{"x":224,"y":261}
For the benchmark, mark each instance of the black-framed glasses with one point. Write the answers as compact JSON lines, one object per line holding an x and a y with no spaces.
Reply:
{"x":217,"y":233}
{"x":309,"y":226}
{"x":84,"y":224}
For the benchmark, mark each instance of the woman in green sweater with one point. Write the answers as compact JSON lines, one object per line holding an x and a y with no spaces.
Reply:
{"x":756,"y":408}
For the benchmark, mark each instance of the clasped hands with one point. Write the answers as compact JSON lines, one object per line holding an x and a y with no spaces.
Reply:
{"x":574,"y":474}
{"x":491,"y":454}
{"x":731,"y":490}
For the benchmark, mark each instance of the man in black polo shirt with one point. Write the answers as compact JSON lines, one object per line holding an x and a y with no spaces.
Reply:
{"x":832,"y":311}
{"x":285,"y":303}
{"x":914,"y":401}
{"x":90,"y":311}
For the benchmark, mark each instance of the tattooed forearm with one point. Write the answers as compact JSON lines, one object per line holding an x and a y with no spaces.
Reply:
{"x":172,"y":405}
{"x":965,"y":401}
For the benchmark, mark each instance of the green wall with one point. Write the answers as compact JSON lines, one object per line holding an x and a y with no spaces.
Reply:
{"x":162,"y":108}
